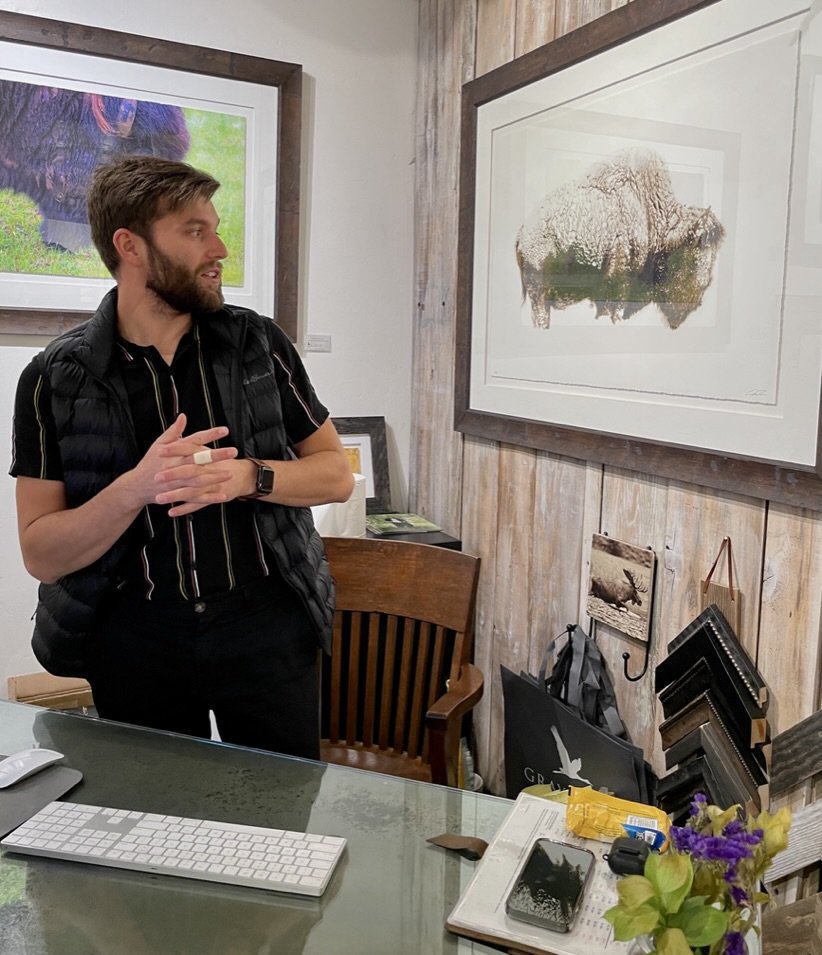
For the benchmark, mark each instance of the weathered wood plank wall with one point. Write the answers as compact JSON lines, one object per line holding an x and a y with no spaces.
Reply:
{"x":530,"y":515}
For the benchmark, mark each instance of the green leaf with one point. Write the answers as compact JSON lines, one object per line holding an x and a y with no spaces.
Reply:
{"x":671,"y":875}
{"x":630,"y":923}
{"x":701,"y":924}
{"x":634,"y":890}
{"x":672,"y":941}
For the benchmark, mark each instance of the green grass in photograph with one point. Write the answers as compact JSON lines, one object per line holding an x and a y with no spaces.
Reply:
{"x":22,"y":250}
{"x":218,"y":145}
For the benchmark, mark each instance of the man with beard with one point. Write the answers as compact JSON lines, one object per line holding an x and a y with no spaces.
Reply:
{"x":166,"y":454}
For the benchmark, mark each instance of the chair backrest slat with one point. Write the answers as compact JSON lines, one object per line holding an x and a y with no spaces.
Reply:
{"x":419,"y":704}
{"x":388,"y":693}
{"x":403,"y":627}
{"x":404,"y":690}
{"x":353,"y":677}
{"x":333,"y":689}
{"x":440,"y":657}
{"x":369,"y":696}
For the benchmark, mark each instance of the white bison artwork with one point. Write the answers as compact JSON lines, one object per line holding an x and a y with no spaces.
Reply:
{"x":622,"y":240}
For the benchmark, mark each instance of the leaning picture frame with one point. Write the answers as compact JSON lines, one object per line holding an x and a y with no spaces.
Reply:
{"x":104,"y":77}
{"x":685,"y":347}
{"x":364,"y":441}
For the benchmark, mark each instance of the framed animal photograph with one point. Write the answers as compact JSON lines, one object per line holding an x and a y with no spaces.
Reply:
{"x":72,"y":98}
{"x":618,"y":300}
{"x":621,"y":586}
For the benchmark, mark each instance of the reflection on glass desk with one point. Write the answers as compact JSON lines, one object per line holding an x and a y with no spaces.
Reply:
{"x":391,"y":894}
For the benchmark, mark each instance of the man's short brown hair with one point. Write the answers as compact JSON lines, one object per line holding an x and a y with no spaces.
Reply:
{"x":135,"y":192}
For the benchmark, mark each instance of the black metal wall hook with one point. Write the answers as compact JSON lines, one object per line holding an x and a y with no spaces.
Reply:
{"x":626,"y":656}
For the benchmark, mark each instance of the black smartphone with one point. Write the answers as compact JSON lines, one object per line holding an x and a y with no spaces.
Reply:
{"x":549,"y":888}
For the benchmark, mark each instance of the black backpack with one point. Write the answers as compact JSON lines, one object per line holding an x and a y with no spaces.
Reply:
{"x":580,"y":679}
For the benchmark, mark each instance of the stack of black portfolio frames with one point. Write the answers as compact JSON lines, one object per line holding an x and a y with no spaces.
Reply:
{"x":714,"y":705}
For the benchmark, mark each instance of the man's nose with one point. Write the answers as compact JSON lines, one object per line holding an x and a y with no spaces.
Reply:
{"x":218,"y":248}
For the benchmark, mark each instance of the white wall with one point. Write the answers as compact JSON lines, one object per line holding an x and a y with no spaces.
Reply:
{"x":358,"y":58}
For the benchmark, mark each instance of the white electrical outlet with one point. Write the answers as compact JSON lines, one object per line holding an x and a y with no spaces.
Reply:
{"x":318,"y":343}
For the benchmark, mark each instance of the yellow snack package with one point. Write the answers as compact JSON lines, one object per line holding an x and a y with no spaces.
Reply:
{"x":595,"y":815}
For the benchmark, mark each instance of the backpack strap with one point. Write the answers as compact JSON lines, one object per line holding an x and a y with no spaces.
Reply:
{"x":607,"y":713}
{"x":575,"y":677}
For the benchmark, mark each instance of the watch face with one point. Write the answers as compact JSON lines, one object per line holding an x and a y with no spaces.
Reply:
{"x":265,"y":479}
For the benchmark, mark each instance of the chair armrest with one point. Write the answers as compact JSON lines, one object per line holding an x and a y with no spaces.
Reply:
{"x":443,"y":723}
{"x":460,"y":697}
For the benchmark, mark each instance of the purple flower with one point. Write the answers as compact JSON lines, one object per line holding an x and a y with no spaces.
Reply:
{"x":755,"y":837}
{"x":735,"y":944}
{"x":698,"y":803}
{"x":739,"y":895}
{"x":683,"y":838}
{"x":729,"y":851}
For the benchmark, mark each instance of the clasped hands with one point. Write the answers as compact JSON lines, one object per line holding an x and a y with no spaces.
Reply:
{"x":172,"y":465}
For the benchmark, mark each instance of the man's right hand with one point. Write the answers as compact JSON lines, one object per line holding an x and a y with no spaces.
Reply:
{"x":56,"y":540}
{"x":169,"y":467}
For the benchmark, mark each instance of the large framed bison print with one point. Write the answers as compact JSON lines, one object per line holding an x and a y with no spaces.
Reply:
{"x":73,"y":97}
{"x":640,"y":251}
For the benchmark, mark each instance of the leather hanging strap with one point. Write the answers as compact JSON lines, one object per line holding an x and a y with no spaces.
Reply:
{"x":725,"y":545}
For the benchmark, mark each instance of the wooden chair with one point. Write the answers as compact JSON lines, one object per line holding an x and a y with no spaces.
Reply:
{"x":399,"y":680}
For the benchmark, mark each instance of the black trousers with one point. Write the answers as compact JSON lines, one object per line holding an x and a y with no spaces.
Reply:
{"x":249,"y":655}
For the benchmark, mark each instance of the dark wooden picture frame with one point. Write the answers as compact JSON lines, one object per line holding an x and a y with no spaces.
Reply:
{"x":285,"y":77}
{"x":784,"y":482}
{"x":374,"y":428}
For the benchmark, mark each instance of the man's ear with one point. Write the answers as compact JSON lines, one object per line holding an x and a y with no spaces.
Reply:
{"x":130,"y":247}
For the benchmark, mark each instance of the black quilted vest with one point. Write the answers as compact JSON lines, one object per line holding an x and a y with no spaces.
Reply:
{"x":97,"y":443}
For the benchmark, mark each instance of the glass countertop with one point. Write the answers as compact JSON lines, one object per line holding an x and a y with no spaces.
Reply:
{"x":390,"y":896}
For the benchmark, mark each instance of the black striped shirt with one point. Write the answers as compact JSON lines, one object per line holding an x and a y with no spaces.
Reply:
{"x":213,"y":550}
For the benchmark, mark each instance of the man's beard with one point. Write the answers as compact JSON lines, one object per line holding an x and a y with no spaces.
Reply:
{"x":175,"y":285}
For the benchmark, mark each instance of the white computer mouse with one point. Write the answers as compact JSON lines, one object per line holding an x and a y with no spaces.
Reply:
{"x":24,"y":764}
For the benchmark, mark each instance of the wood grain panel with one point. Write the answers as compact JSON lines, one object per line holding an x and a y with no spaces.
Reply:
{"x":797,"y":754}
{"x":496,"y":21}
{"x":574,"y":13}
{"x":789,"y":646}
{"x":510,"y":622}
{"x":633,"y":510}
{"x":559,"y":514}
{"x":495,"y":44}
{"x":536,"y":24}
{"x":479,"y":538}
{"x":446,"y":36}
{"x":794,"y":928}
{"x":698,"y":519}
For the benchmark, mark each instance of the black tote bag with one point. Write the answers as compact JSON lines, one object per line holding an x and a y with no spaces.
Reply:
{"x":547,"y":742}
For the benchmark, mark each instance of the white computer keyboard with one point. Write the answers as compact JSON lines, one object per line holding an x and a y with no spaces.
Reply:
{"x":230,"y":853}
